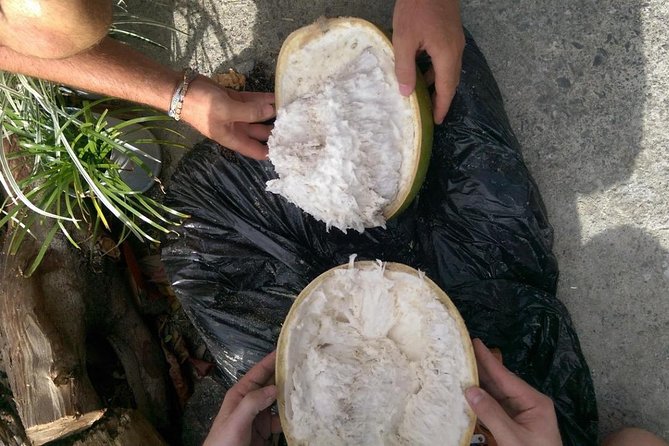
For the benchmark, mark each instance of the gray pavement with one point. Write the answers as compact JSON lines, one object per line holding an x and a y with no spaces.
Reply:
{"x":586,"y":87}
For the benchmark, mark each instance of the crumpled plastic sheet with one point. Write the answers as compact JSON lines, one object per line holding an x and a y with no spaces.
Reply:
{"x":478,"y":228}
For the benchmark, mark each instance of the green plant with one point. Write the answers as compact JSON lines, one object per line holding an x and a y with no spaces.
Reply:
{"x":56,"y":170}
{"x":56,"y":167}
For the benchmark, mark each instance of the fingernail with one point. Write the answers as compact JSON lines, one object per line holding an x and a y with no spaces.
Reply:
{"x":405,"y":89}
{"x":474,"y":395}
{"x":485,"y":347}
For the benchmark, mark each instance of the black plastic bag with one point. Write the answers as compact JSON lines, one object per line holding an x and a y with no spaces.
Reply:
{"x":478,"y":228}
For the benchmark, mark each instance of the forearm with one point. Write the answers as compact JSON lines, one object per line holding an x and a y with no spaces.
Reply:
{"x":110,"y":68}
{"x":114,"y":69}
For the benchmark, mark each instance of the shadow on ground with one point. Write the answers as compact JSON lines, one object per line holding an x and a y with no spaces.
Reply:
{"x":574,"y":78}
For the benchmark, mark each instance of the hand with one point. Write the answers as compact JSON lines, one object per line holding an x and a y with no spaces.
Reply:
{"x":231,"y":118}
{"x":244,"y":418}
{"x":433,"y":26}
{"x":515,"y":413}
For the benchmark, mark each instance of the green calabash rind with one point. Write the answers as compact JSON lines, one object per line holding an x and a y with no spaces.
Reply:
{"x":422,"y":162}
{"x":282,"y":351}
{"x":419,"y":100}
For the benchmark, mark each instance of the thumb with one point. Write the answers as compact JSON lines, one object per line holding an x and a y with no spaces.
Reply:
{"x":252,"y":111}
{"x":492,"y":415}
{"x":405,"y":63}
{"x":252,"y":404}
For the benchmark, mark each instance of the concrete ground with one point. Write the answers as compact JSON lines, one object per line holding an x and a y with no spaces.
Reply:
{"x":585,"y":84}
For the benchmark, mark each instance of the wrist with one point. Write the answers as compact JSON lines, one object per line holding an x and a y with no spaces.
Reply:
{"x":198,"y":102}
{"x":180,"y":92}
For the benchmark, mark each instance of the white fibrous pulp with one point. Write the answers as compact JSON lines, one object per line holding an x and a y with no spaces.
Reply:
{"x":338,"y":147}
{"x":376,"y":359}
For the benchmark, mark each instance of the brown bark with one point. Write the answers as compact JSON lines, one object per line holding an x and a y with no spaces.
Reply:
{"x":111,"y":313}
{"x":11,"y":430}
{"x":42,"y":325}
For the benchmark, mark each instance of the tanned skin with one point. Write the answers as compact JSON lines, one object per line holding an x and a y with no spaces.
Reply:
{"x":73,"y":50}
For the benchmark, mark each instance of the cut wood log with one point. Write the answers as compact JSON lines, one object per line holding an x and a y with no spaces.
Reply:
{"x":62,"y":427}
{"x":44,"y":320}
{"x":119,"y":427}
{"x":43,"y":328}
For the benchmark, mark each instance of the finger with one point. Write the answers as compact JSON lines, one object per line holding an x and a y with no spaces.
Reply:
{"x":493,"y":416}
{"x":260,"y":373}
{"x":515,"y":394}
{"x":242,"y":143}
{"x":244,"y":109}
{"x":253,"y":96}
{"x":497,"y":353}
{"x":267,"y":423}
{"x":276,"y":424}
{"x":429,"y":76}
{"x":263,"y":371}
{"x":263,"y":424}
{"x":493,"y":376}
{"x":241,"y":420}
{"x":405,"y":61}
{"x":446,"y":78}
{"x":260,"y":132}
{"x":496,"y":378}
{"x":235,"y":136}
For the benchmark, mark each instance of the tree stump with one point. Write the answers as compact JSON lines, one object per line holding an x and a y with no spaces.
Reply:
{"x":44,"y":333}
